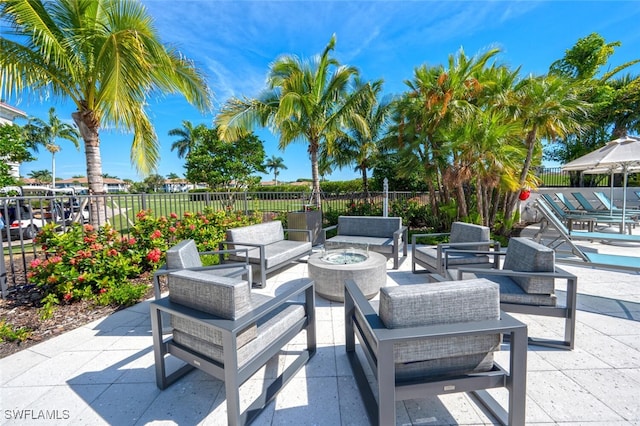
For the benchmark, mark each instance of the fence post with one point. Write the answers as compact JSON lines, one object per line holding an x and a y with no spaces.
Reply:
{"x":385,"y":199}
{"x":143,"y":201}
{"x":246,"y":204}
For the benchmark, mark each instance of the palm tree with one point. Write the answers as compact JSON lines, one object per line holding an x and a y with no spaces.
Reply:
{"x":275,"y":164}
{"x":40,"y":176}
{"x":549,"y":108}
{"x":46,"y":133}
{"x":305,"y":100}
{"x":106,"y":56}
{"x":189,"y":137}
{"x":360,"y":145}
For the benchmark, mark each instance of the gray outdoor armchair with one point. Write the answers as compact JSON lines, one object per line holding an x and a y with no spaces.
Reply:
{"x":527,"y":286}
{"x":463,"y":237}
{"x":434,"y":339}
{"x":185,"y":255}
{"x":220,"y":327}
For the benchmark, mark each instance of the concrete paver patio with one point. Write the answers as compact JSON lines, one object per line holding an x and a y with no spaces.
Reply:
{"x":103,"y":373}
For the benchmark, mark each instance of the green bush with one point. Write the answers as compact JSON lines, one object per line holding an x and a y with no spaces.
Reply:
{"x":89,"y":264}
{"x":8,"y":333}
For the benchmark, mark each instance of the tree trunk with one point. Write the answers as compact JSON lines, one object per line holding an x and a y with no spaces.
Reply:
{"x":365,"y":184}
{"x":88,"y":126}
{"x":480,"y":201}
{"x":512,"y":198}
{"x":315,"y":189}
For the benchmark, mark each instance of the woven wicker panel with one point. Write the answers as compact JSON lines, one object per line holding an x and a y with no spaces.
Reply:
{"x":225,"y":297}
{"x":526,"y":255}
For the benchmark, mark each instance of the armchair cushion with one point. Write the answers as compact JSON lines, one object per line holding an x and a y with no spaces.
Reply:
{"x":262,"y":233}
{"x":369,"y":226}
{"x":225,"y":297}
{"x":438,"y":304}
{"x":183,"y":255}
{"x":462,"y":232}
{"x":525,"y":255}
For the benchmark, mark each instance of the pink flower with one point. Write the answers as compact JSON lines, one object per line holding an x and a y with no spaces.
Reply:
{"x":35,"y":263}
{"x":132,"y":241}
{"x":67,"y":296}
{"x":192,"y":227}
{"x":172,"y":229}
{"x":112,"y":252}
{"x":141,"y":214}
{"x":154,"y":255}
{"x":81,"y":278}
{"x":103,"y":290}
{"x":156,"y":234}
{"x":88,"y":228}
{"x":173,"y":216}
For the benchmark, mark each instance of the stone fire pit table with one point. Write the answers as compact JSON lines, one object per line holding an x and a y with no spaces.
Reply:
{"x":330,"y":269}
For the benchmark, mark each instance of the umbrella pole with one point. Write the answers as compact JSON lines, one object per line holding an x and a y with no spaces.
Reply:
{"x":611,"y":194}
{"x":624,"y":196}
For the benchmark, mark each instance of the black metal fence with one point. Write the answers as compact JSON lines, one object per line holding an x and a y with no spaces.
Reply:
{"x":25,"y":216}
{"x":554,"y":177}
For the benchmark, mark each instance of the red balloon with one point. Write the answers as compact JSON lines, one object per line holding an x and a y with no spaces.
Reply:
{"x":524,"y":194}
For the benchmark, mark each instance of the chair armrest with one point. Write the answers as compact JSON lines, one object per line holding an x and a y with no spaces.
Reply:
{"x":240,"y":243}
{"x":306,"y":231}
{"x":328,"y":228}
{"x":559,"y":273}
{"x":211,"y":321}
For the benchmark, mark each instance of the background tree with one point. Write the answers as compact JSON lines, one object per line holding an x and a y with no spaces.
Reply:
{"x":40,"y":176}
{"x":173,"y":176}
{"x":305,"y":100}
{"x":366,"y":128}
{"x":275,"y":164}
{"x":108,"y":176}
{"x":48,"y":132}
{"x":223,"y":165}
{"x":188,"y":137}
{"x":150,"y":184}
{"x":106,"y":56}
{"x":13,"y":148}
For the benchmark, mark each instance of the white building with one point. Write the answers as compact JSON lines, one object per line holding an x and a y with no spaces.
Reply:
{"x":8,"y":114}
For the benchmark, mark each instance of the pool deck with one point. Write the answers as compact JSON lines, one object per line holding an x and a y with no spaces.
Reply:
{"x":103,"y":373}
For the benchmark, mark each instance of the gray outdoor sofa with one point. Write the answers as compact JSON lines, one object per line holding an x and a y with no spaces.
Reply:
{"x":268,"y":249}
{"x":380,"y":234}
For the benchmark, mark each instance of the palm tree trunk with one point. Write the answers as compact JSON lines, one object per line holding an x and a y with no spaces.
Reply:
{"x":315,"y":190}
{"x":365,"y":184}
{"x":89,"y":131}
{"x":512,"y":198}
{"x":53,"y":170}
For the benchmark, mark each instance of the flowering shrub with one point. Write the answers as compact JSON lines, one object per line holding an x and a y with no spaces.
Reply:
{"x":98,"y":264}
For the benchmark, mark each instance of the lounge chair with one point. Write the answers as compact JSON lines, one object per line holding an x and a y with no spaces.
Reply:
{"x":588,"y":207}
{"x":595,"y":259}
{"x":445,"y":347}
{"x":609,"y":206}
{"x":591,"y":220}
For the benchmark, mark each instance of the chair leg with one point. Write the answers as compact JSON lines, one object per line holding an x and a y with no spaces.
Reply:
{"x":386,"y":385}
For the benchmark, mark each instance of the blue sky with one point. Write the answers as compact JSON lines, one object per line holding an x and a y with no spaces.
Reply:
{"x":235,"y":41}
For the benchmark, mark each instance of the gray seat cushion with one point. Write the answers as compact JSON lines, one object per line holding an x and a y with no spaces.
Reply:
{"x":225,"y":297}
{"x":511,"y":292}
{"x":261,"y":233}
{"x":379,"y":244}
{"x":281,"y":252}
{"x":368,"y":226}
{"x":525,"y":255}
{"x":183,"y":255}
{"x":462,"y":232}
{"x":442,"y":303}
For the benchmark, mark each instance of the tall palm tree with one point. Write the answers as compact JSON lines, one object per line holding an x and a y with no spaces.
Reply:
{"x":106,"y":56}
{"x":189,"y":136}
{"x":305,"y":100}
{"x":360,"y":144}
{"x":275,"y":164}
{"x":48,"y":132}
{"x":40,"y":176}
{"x":549,"y":108}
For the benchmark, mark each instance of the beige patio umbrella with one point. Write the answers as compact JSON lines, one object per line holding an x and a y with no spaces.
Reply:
{"x":621,"y":155}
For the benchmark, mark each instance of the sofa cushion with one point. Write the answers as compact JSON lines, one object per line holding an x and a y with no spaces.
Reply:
{"x":442,"y":303}
{"x":281,"y":252}
{"x":379,"y":244}
{"x":368,"y":226}
{"x":525,"y":255}
{"x":183,"y":255}
{"x":225,"y":297}
{"x":261,"y":233}
{"x":462,"y":232}
{"x":511,"y":292}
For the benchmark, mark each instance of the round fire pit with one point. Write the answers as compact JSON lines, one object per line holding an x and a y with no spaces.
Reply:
{"x":330,"y":269}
